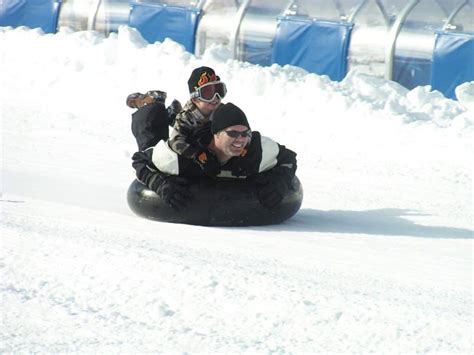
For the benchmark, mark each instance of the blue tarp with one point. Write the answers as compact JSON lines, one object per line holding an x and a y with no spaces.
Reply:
{"x":31,"y":13}
{"x":453,"y":61}
{"x":320,"y":47}
{"x":159,"y":21}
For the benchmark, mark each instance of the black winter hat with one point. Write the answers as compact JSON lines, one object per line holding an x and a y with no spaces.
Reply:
{"x":201,"y":76}
{"x":227,"y":115}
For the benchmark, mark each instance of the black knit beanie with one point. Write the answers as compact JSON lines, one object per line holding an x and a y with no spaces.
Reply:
{"x":201,"y":76}
{"x":227,"y":115}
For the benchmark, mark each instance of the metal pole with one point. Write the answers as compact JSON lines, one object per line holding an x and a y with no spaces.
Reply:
{"x":393,"y":34}
{"x":92,"y":19}
{"x":200,"y":4}
{"x":447,"y":25}
{"x":357,"y":10}
{"x":383,"y":11}
{"x":342,"y":13}
{"x":291,"y":8}
{"x":363,"y":4}
{"x":239,"y":17}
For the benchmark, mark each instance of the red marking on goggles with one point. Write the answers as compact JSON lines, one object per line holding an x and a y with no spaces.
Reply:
{"x":208,"y":92}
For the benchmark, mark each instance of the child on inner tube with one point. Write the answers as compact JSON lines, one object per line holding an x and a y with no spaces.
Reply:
{"x":150,"y":121}
{"x":206,"y":90}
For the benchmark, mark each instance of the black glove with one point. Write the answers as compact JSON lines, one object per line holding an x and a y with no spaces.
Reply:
{"x":208,"y":163}
{"x":173,"y":110}
{"x":174,"y":190}
{"x":273,"y":186}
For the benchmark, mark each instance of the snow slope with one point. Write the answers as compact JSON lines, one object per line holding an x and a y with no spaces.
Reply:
{"x":379,"y":258}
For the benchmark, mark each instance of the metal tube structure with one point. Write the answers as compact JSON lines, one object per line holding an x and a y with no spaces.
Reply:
{"x":240,"y":15}
{"x":392,"y":38}
{"x":92,"y":19}
{"x":363,"y":4}
{"x":357,"y":10}
{"x":447,"y":25}
{"x":200,"y":4}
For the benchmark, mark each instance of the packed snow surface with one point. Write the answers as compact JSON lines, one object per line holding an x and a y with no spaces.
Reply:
{"x":378,"y":259}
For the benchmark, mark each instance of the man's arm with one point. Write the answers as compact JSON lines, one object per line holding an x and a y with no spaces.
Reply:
{"x":277,"y":172}
{"x":145,"y":170}
{"x":172,"y":189}
{"x":287,"y":159}
{"x":276,"y":155}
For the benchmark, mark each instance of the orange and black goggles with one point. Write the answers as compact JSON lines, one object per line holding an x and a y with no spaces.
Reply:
{"x":209,"y":91}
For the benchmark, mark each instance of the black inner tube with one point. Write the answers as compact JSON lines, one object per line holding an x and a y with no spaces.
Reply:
{"x":230,"y":203}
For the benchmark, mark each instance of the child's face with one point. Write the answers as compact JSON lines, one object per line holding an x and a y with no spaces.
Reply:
{"x":206,"y":108}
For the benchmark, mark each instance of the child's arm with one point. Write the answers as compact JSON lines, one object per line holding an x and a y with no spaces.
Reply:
{"x":178,"y":141}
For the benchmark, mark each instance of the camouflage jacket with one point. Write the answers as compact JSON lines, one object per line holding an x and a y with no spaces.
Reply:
{"x":187,"y":122}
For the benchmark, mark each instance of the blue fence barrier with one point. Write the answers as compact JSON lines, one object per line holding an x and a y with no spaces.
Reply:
{"x":31,"y":13}
{"x":158,"y":21}
{"x":318,"y":46}
{"x":450,"y":67}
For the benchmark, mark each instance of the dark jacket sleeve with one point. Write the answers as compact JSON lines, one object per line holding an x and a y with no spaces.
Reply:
{"x":146,"y":171}
{"x":283,"y":172}
{"x":287,"y":159}
{"x":281,"y":176}
{"x":277,"y":156}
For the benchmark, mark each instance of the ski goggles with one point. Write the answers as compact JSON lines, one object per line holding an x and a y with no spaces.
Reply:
{"x":236,"y":134}
{"x":208,"y":92}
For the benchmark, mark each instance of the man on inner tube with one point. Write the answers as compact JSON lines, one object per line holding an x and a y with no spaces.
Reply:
{"x":240,"y":152}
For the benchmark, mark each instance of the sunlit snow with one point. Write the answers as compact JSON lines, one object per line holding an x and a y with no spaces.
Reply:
{"x":378,"y":259}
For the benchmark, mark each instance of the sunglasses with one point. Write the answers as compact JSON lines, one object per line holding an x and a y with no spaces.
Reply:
{"x":236,"y":134}
{"x":208,"y":92}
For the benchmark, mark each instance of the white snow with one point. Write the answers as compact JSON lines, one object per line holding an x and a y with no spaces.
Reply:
{"x":378,"y":259}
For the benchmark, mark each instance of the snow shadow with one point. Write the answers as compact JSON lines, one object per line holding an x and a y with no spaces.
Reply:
{"x":388,"y":221}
